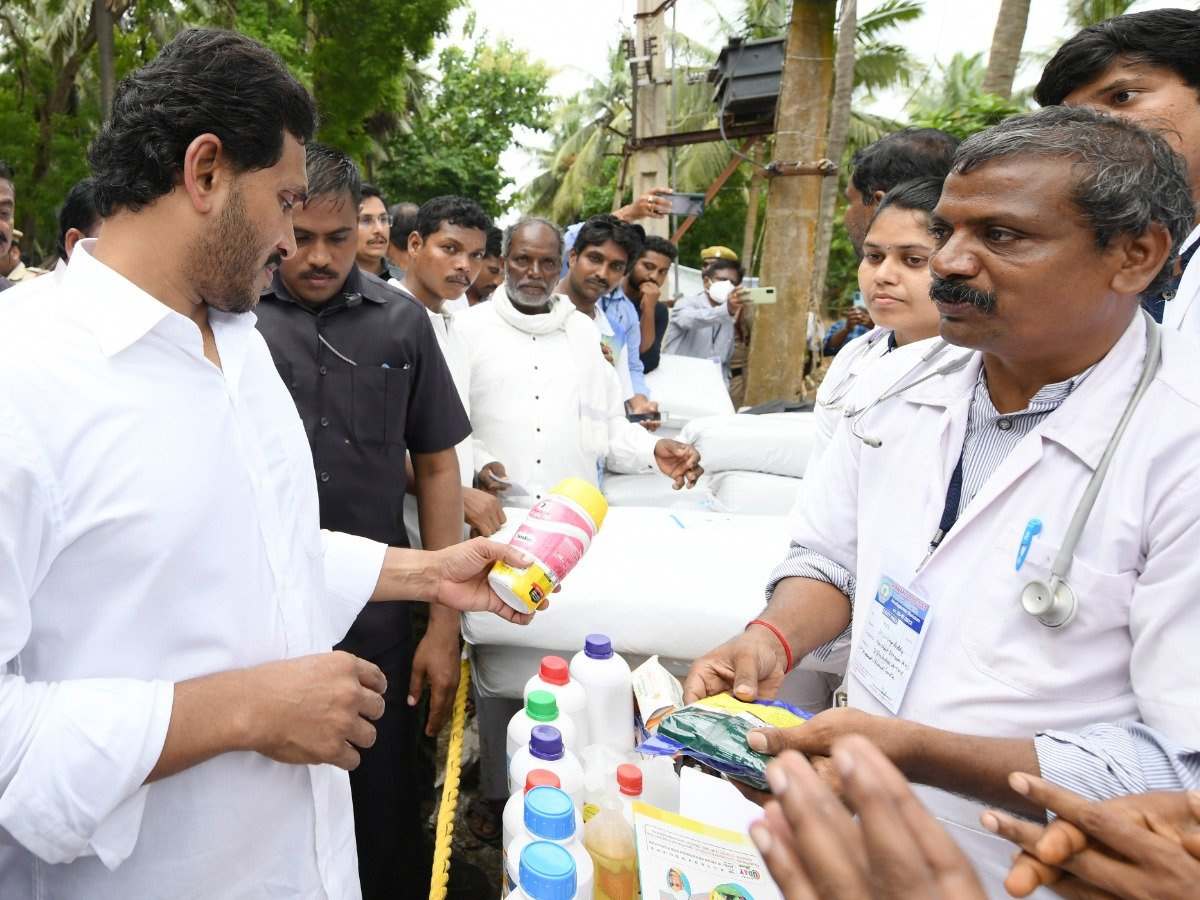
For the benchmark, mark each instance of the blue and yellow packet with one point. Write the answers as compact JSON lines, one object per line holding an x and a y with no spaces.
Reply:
{"x":714,"y":731}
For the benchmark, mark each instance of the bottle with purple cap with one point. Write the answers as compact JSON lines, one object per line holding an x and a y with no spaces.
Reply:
{"x":545,"y":751}
{"x":608,"y":687}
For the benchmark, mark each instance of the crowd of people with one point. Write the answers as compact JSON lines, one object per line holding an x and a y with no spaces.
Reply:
{"x":247,"y":386}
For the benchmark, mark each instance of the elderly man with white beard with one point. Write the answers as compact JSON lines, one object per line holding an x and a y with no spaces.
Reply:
{"x":544,"y":404}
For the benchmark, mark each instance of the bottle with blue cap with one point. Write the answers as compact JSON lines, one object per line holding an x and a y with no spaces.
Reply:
{"x":549,"y":816}
{"x":608,"y":688}
{"x":545,"y":751}
{"x":547,"y":872}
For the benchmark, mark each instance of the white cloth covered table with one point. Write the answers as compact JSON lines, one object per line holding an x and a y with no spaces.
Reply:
{"x":672,"y":582}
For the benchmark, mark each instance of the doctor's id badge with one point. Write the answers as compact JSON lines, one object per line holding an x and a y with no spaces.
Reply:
{"x":890,"y":641}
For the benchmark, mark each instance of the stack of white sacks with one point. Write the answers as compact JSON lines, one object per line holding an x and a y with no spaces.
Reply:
{"x":753,"y":464}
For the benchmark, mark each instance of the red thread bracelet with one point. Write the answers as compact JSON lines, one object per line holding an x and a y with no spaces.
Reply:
{"x":787,"y":651}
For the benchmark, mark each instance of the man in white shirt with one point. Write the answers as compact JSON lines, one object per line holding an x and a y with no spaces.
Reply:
{"x":445,"y":255}
{"x":1143,"y":67}
{"x":171,"y":721}
{"x":544,"y":404}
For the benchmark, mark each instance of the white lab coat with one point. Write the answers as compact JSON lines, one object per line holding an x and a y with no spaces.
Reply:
{"x":987,"y":667}
{"x":1183,"y":312}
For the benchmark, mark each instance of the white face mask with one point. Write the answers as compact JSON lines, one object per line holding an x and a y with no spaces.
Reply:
{"x":720,"y":290}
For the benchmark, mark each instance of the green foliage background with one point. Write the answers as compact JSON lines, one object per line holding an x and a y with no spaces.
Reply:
{"x":419,"y":134}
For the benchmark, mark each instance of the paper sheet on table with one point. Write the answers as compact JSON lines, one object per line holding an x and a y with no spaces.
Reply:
{"x":706,"y":798}
{"x":683,"y":859}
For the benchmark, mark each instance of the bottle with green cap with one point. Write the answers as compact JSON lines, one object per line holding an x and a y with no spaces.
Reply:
{"x":547,"y":872}
{"x":541,"y":708}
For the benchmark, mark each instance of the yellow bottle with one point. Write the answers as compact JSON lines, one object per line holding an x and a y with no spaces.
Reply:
{"x":609,"y":841}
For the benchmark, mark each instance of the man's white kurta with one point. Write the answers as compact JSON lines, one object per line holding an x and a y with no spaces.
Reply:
{"x":158,"y":522}
{"x":987,"y":667}
{"x":525,"y":403}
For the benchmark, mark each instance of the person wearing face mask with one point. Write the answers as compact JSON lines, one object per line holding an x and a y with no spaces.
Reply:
{"x":703,"y":325}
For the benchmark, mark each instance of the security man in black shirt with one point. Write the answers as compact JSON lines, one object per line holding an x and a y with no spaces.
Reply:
{"x":364,"y":367}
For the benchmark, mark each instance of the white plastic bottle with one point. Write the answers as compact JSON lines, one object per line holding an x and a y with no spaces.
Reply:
{"x":540,"y":709}
{"x":550,"y":816}
{"x":545,"y":751}
{"x":608,"y":686}
{"x":514,"y":810}
{"x":660,"y":783}
{"x":554,"y":676}
{"x":629,"y":787}
{"x":547,"y":872}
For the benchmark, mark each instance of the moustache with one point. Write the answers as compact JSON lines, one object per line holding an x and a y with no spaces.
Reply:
{"x":954,"y":291}
{"x":274,"y":260}
{"x":318,"y":273}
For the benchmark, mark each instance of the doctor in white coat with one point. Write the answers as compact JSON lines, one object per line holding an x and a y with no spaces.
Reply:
{"x":921,"y":521}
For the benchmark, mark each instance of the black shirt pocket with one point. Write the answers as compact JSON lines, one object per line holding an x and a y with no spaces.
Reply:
{"x":379,"y":405}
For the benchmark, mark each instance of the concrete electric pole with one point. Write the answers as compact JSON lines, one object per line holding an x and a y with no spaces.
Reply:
{"x":793,"y":205}
{"x":650,"y":167}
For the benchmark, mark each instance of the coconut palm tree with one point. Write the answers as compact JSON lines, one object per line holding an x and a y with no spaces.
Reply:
{"x":1005,"y":53}
{"x":591,"y":127}
{"x":1082,"y":13}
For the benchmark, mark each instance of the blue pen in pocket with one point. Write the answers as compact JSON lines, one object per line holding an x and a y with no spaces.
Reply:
{"x":1032,"y":530}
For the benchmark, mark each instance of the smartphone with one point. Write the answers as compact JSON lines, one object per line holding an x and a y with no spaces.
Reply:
{"x":645,"y":417}
{"x":859,"y":300}
{"x":686,"y":204}
{"x":761,"y":296}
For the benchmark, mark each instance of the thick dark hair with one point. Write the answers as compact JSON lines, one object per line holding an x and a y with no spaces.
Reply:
{"x":918,"y":195}
{"x":6,"y":172}
{"x":495,"y":241}
{"x":656,"y":244}
{"x":331,"y":172}
{"x":901,"y":156}
{"x":719,"y":265}
{"x":453,"y":210}
{"x":205,"y":80}
{"x":1168,"y":38}
{"x":78,"y":211}
{"x":369,"y":190}
{"x":1125,"y":177}
{"x":606,"y":227}
{"x":404,"y":222}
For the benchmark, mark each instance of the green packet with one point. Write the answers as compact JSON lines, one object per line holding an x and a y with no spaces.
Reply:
{"x":714,"y":730}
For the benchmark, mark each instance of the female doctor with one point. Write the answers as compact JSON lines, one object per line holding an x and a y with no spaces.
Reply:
{"x":893,"y":277}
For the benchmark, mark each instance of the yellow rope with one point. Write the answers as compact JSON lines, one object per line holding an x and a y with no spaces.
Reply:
{"x":440,"y":880}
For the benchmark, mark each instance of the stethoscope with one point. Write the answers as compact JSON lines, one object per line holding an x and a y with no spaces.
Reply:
{"x":847,"y":383}
{"x":1054,"y":602}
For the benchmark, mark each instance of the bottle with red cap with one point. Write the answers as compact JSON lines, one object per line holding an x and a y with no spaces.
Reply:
{"x":554,"y":675}
{"x":629,"y":787}
{"x":545,"y":751}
